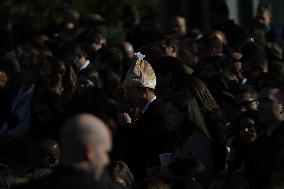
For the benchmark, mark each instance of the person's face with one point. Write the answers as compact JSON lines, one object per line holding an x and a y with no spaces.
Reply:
{"x":247,"y":130}
{"x":264,"y":19}
{"x":101,"y":158}
{"x":59,"y":71}
{"x":169,"y":51}
{"x":79,"y":60}
{"x":173,"y":116}
{"x":270,"y":108}
{"x":247,"y":102}
{"x":84,"y":85}
{"x":136,"y":95}
{"x":179,"y":26}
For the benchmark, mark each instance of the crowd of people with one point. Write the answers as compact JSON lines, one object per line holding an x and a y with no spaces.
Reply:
{"x":161,"y":109}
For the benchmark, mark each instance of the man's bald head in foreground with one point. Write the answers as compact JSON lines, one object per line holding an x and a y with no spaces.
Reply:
{"x":86,"y":141}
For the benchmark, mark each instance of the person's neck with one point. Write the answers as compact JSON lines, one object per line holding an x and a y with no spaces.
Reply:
{"x":150,"y":96}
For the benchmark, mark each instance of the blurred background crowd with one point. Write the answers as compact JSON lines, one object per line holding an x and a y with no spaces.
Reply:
{"x":192,"y":94}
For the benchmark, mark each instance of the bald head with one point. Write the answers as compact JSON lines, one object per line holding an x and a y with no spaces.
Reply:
{"x":86,"y":141}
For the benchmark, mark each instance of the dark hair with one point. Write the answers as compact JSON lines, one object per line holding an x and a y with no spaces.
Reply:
{"x":253,"y":114}
{"x":93,"y":75}
{"x":47,"y":153}
{"x":185,"y":102}
{"x":203,"y":96}
{"x":211,"y":41}
{"x":264,"y":7}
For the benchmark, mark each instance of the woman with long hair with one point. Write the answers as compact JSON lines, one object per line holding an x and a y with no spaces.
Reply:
{"x":184,"y":119}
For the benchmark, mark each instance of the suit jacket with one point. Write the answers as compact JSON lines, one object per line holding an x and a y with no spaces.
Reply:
{"x":141,"y":141}
{"x":261,"y":158}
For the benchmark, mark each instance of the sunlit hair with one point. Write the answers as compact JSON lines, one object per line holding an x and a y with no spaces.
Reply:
{"x":203,"y":96}
{"x":185,"y":102}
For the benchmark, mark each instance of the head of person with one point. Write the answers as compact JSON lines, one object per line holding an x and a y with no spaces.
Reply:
{"x":130,"y":16}
{"x":219,"y":14}
{"x":3,"y":80}
{"x":47,"y":154}
{"x":140,"y":82}
{"x":221,"y":36}
{"x":121,"y":174}
{"x":254,"y":61}
{"x":249,"y":126}
{"x":70,"y":18}
{"x":264,"y":15}
{"x":87,"y":80}
{"x":86,"y":142}
{"x":170,"y":46}
{"x":182,"y":114}
{"x":209,"y":46}
{"x":271,"y":104}
{"x":95,"y":42}
{"x":247,"y":100}
{"x":58,"y":75}
{"x":179,"y":25}
{"x":79,"y":56}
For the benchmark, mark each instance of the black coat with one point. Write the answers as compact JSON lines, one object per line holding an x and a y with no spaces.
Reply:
{"x":65,"y":177}
{"x":262,"y":156}
{"x":142,"y":140}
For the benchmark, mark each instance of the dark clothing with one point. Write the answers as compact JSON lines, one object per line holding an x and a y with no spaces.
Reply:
{"x":65,"y":177}
{"x":141,"y":141}
{"x":262,"y":156}
{"x":216,"y":125}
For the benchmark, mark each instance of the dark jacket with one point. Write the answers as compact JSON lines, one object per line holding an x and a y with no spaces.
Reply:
{"x":65,"y":177}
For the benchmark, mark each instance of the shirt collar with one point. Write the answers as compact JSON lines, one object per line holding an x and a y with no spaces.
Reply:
{"x":148,"y":104}
{"x":85,"y":65}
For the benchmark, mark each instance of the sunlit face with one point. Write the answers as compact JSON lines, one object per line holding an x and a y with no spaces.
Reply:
{"x":270,"y":108}
{"x":247,"y":102}
{"x":79,"y":60}
{"x":264,"y":19}
{"x":179,"y":26}
{"x":173,"y":116}
{"x":247,"y":130}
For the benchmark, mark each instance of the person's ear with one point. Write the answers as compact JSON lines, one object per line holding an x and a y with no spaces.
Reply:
{"x":89,"y":151}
